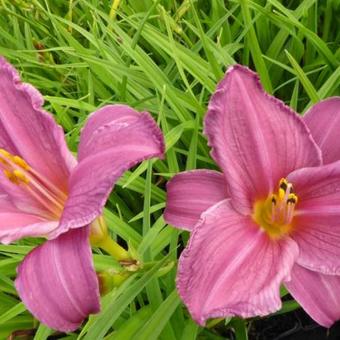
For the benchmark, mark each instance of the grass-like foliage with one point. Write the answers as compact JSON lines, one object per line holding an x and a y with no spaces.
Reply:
{"x":165,"y":57}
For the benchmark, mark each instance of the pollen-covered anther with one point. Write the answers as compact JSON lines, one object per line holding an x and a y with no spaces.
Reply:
{"x":21,"y":177}
{"x":9,"y":174}
{"x":16,"y":176}
{"x":5,"y":153}
{"x":20,"y":162}
{"x":6,"y":158}
{"x":14,"y":167}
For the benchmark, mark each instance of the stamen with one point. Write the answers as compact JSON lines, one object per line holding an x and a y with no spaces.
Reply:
{"x":283,"y":184}
{"x":20,"y":162}
{"x":273,"y":208}
{"x":41,"y":189}
{"x":16,"y":176}
{"x":275,"y":214}
{"x":43,"y":202}
{"x":287,"y":193}
{"x":10,"y":175}
{"x":45,"y":193}
{"x":49,"y":185}
{"x":20,"y":176}
{"x":292,"y":198}
{"x":5,"y":153}
{"x":7,"y":159}
{"x":289,"y":214}
{"x":281,"y":194}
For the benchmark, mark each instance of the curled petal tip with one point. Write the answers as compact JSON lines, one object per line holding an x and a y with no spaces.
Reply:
{"x":157,"y":135}
{"x":34,"y":95}
{"x":241,"y":68}
{"x":114,"y":139}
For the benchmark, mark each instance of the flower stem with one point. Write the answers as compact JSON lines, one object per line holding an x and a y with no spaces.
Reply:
{"x":114,"y":8}
{"x":99,"y":237}
{"x":114,"y":249}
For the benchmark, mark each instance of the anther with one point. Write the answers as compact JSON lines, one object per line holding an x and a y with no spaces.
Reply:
{"x":6,"y":158}
{"x":292,"y":198}
{"x":10,"y":175}
{"x":281,"y":194}
{"x":20,"y":162}
{"x":5,"y":153}
{"x":20,"y":176}
{"x":16,"y":176}
{"x":283,"y":184}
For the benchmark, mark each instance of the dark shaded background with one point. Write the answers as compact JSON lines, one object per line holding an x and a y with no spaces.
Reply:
{"x":296,"y":325}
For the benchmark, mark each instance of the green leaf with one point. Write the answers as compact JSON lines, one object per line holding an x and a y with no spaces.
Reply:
{"x":42,"y":333}
{"x":154,"y":326}
{"x":120,"y":301}
{"x":312,"y":93}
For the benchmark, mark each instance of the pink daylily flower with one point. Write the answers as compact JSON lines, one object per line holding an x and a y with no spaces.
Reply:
{"x":271,"y":217}
{"x":45,"y":192}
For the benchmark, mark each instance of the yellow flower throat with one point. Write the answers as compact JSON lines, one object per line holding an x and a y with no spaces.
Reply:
{"x":275,"y":213}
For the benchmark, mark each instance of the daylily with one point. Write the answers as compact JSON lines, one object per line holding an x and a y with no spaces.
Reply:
{"x":271,"y":217}
{"x":46,"y":193}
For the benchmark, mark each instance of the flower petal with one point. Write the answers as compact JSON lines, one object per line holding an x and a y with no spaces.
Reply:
{"x":190,"y":193}
{"x":15,"y":224}
{"x":30,"y":132}
{"x":57,"y":281}
{"x":255,"y":138}
{"x":114,"y":139}
{"x":323,"y":120}
{"x":18,"y":196}
{"x":318,"y":294}
{"x":231,"y":267}
{"x":317,"y":220}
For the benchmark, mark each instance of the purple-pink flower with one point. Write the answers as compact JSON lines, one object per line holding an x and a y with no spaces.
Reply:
{"x":46,"y":193}
{"x":271,"y":217}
